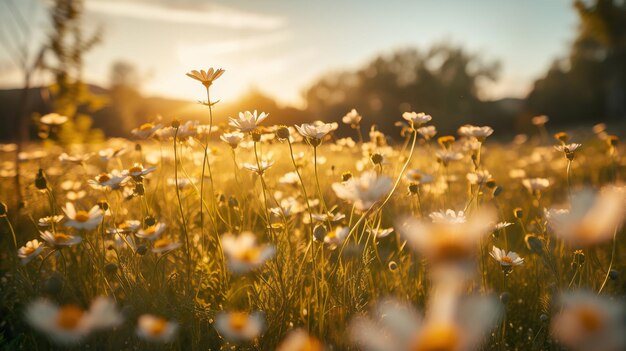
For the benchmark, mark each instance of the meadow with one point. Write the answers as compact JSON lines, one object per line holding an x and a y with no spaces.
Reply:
{"x":253,"y":236}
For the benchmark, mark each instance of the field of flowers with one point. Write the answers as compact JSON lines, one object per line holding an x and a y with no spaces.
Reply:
{"x":255,"y":236}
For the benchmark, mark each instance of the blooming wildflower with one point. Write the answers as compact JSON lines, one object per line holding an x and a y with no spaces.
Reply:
{"x":110,"y":153}
{"x":506,"y":260}
{"x":536,"y":184}
{"x":49,"y":220}
{"x":450,"y":324}
{"x":479,"y":177}
{"x":232,"y":139}
{"x":447,"y":156}
{"x":314,"y":133}
{"x":76,"y":159}
{"x":156,"y":329}
{"x":182,"y":182}
{"x":128,"y":226}
{"x":60,"y":239}
{"x":152,"y":232}
{"x":82,"y":219}
{"x":380,"y":232}
{"x":206,"y":77}
{"x":416,"y":119}
{"x":589,"y":322}
{"x":243,"y":252}
{"x":450,"y":240}
{"x":69,"y":324}
{"x":427,"y":132}
{"x":593,"y":217}
{"x":113,"y":180}
{"x":352,"y":118}
{"x":300,"y":340}
{"x":254,"y":167}
{"x":164,"y":245}
{"x":363,"y":191}
{"x":183,"y":132}
{"x":146,"y":130}
{"x":137,"y":171}
{"x":448,"y":216}
{"x":53,"y":119}
{"x":480,"y":133}
{"x":290,"y":178}
{"x":239,"y":326}
{"x":247,"y":121}
{"x":324,"y":217}
{"x":336,"y":236}
{"x":29,"y":251}
{"x":417,"y":176}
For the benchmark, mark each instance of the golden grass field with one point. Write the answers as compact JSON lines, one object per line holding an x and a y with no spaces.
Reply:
{"x":262,"y":237}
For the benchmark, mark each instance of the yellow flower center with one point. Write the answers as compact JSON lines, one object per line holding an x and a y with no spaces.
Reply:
{"x":249,"y":255}
{"x":158,"y":327}
{"x":103,"y":178}
{"x":506,"y":259}
{"x":438,"y":337}
{"x":161,"y":243}
{"x":27,"y":250}
{"x":81,"y":216}
{"x":589,"y":319}
{"x":238,"y":320}
{"x":68,"y":317}
{"x":61,"y":238}
{"x":135,"y":169}
{"x":146,"y":126}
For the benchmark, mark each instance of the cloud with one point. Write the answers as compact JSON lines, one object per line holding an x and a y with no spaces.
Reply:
{"x":225,"y":47}
{"x":187,"y":13}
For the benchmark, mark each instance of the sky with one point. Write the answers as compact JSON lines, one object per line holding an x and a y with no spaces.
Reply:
{"x":282,"y":46}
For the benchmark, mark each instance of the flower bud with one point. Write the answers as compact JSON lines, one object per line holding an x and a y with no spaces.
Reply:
{"x":40,"y":180}
{"x":3,"y":209}
{"x":345,"y":176}
{"x":393,"y":266}
{"x":518,"y":213}
{"x":282,"y":132}
{"x":175,"y":123}
{"x":534,"y":243}
{"x":319,"y":232}
{"x":376,"y":158}
{"x":149,"y":221}
{"x":256,"y":135}
{"x":142,"y":250}
{"x":104,"y":205}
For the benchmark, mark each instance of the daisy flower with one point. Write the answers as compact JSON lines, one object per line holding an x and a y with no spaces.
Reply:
{"x":247,"y":121}
{"x":300,"y":340}
{"x":254,"y":167}
{"x":239,"y":326}
{"x":534,"y":185}
{"x":49,"y":220}
{"x":152,"y":232}
{"x":156,"y":329}
{"x":479,"y":177}
{"x":233,"y":139}
{"x":243,"y":252}
{"x":448,"y":216}
{"x":352,"y":118}
{"x":206,"y":77}
{"x":447,"y":156}
{"x":164,"y":245}
{"x":479,"y":133}
{"x":592,"y":218}
{"x":53,"y":119}
{"x":506,"y":260}
{"x":416,"y":119}
{"x":589,"y":322}
{"x":417,"y":176}
{"x":314,"y":133}
{"x":363,"y":191}
{"x":110,"y":153}
{"x":29,"y":251}
{"x":128,"y":226}
{"x":113,"y":180}
{"x":137,"y":171}
{"x":336,"y":236}
{"x":69,"y":324}
{"x":82,"y":219}
{"x":75,"y":159}
{"x":59,"y":239}
{"x":427,"y":132}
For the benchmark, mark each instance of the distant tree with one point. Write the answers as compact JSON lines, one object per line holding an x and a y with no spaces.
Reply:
{"x":67,"y":47}
{"x":125,"y":100}
{"x":591,"y":83}
{"x":443,"y":81}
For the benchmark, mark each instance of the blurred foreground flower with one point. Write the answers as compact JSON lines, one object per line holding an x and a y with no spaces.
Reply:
{"x":300,"y":340}
{"x":243,"y":252}
{"x":588,"y":322}
{"x":239,"y":326}
{"x":156,"y":329}
{"x":69,"y":323}
{"x":592,"y":218}
{"x":363,"y":191}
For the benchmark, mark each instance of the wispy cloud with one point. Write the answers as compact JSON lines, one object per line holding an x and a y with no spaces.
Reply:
{"x":229,"y":46}
{"x":181,"y":12}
